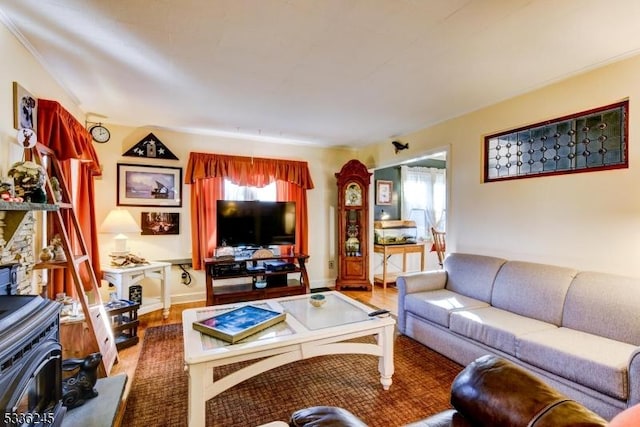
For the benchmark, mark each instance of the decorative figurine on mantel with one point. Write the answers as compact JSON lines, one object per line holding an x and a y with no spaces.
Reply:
{"x":46,"y":254}
{"x":55,"y":187}
{"x":56,"y":248}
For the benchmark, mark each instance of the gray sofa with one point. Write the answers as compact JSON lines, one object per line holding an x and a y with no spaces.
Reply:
{"x":577,"y":331}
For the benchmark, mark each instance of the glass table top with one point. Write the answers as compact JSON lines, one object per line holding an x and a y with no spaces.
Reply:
{"x":334,"y":312}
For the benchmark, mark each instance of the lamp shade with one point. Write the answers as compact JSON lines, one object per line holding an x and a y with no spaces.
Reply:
{"x":118,"y":222}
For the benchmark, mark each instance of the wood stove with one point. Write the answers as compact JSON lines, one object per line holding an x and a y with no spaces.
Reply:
{"x":30,"y":361}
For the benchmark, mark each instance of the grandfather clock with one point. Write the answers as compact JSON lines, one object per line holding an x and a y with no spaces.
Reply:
{"x":353,"y":226}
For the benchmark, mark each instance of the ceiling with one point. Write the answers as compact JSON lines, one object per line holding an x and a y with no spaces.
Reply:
{"x":322,"y":72}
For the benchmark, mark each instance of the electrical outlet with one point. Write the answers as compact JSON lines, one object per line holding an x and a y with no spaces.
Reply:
{"x":332,"y":264}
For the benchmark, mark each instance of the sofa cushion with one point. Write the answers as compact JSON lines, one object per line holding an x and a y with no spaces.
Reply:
{"x":472,"y":275}
{"x":595,"y":362}
{"x":437,"y":305}
{"x":617,"y":300}
{"x":532,"y":290}
{"x":494,"y":327}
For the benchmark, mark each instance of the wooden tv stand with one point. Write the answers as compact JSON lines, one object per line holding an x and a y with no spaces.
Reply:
{"x":278,"y":282}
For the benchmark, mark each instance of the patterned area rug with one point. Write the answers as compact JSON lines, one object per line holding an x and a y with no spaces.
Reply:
{"x":420,"y":387}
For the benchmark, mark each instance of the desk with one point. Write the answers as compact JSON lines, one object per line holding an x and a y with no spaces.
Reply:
{"x":387,"y":251}
{"x":124,"y":277}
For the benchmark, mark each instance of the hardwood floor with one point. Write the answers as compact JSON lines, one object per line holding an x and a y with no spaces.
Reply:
{"x":128,"y":357}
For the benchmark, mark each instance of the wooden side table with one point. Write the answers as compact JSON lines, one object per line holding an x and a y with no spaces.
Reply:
{"x":387,"y":251}
{"x":124,"y":277}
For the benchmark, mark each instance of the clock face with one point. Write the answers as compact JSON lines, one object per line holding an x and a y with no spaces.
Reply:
{"x":100,"y":133}
{"x":353,"y":195}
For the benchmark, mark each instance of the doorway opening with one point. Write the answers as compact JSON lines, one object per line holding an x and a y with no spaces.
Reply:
{"x":419,"y":193}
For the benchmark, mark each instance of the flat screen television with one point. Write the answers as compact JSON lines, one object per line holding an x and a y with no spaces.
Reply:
{"x":254,"y":223}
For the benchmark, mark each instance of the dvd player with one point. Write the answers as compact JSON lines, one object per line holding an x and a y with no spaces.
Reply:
{"x":279,"y":265}
{"x":228,"y":269}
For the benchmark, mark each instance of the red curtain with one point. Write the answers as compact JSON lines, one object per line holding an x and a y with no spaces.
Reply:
{"x":68,"y":139}
{"x":288,"y":192}
{"x":206,"y":173}
{"x":204,"y":193}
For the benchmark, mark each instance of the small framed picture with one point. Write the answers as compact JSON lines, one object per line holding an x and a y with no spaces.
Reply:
{"x":160,"y":223}
{"x":25,"y":108}
{"x":384,"y":192}
{"x":142,"y":185}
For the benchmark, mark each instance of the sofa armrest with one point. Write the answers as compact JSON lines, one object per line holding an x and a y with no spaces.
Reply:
{"x":417,"y":282}
{"x":421,"y":281}
{"x":634,"y":378}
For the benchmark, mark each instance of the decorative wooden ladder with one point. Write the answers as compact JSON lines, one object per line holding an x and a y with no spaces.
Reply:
{"x":78,"y":262}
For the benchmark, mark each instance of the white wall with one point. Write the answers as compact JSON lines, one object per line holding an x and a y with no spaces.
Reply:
{"x":584,"y":220}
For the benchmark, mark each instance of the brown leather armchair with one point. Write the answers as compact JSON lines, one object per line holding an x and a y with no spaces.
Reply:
{"x":492,"y":391}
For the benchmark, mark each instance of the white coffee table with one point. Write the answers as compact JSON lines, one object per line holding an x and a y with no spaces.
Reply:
{"x":306,"y":332}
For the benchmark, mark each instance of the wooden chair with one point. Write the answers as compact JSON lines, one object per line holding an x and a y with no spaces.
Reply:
{"x":438,"y":244}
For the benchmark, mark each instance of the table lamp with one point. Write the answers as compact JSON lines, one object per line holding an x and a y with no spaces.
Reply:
{"x":119,"y":222}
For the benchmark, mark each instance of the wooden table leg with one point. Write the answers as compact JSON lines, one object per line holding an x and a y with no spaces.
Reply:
{"x":196,"y":399}
{"x":385,"y":364}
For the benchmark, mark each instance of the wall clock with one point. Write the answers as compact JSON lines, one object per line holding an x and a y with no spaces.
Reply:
{"x":99,"y":133}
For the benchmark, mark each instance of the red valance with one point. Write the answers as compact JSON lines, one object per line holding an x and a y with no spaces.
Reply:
{"x":60,"y":131}
{"x":247,"y":171}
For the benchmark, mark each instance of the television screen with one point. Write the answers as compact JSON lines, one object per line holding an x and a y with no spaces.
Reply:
{"x":253,"y":223}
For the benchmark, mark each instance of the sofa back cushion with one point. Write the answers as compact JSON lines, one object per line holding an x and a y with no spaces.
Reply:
{"x":604,"y":304}
{"x":532,"y":290}
{"x":472,"y":275}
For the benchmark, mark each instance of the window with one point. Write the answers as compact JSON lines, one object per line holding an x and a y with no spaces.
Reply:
{"x":431,"y":183}
{"x":239,"y":192}
{"x":587,"y":141}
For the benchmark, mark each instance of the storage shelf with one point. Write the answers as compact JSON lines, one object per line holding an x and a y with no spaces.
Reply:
{"x":248,"y":287}
{"x":384,"y":280}
{"x":50,"y":264}
{"x":27,"y":206}
{"x":220,"y":269}
{"x":124,"y":324}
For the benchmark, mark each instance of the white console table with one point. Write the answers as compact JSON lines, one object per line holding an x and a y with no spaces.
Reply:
{"x":123,"y":277}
